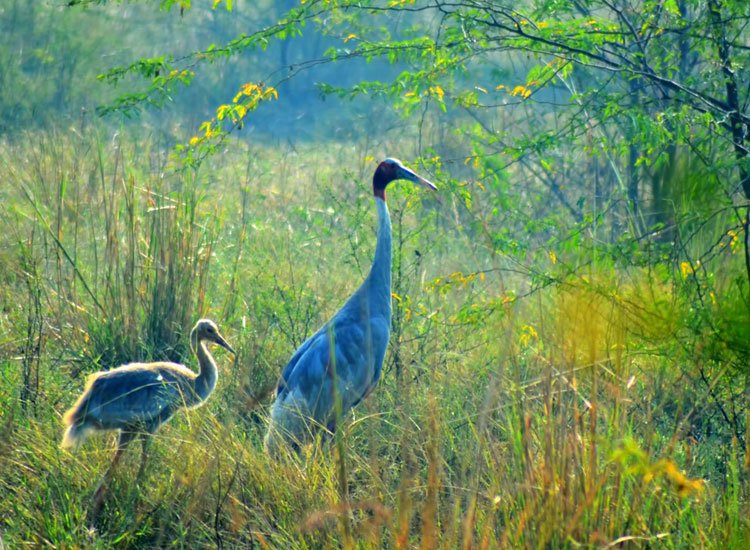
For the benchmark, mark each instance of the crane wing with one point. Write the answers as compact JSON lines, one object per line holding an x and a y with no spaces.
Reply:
{"x":295,"y":358}
{"x":359,"y":351}
{"x":136,"y":395}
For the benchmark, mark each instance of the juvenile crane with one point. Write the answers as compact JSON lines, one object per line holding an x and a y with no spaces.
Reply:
{"x":358,"y":335}
{"x":139,"y":397}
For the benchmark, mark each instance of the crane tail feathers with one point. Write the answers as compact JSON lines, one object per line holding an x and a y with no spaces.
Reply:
{"x":74,"y":436}
{"x":76,"y":428}
{"x":69,"y":417}
{"x":289,"y":427}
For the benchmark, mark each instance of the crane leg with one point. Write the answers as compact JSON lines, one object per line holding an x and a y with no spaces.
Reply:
{"x":145,"y":443}
{"x":101,"y":489}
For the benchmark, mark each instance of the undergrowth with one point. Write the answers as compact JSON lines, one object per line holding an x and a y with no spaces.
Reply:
{"x":585,"y":409}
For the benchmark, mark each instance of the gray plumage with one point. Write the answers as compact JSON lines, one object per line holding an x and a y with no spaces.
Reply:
{"x":139,"y":397}
{"x":358,"y":335}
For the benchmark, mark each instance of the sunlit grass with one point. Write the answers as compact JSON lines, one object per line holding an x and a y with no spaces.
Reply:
{"x":567,"y":418}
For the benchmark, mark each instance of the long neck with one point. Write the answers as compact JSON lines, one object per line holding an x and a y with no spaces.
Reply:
{"x":378,"y":282}
{"x":205,"y":382}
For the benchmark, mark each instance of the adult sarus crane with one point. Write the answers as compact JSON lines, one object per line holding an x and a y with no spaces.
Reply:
{"x":139,"y":397}
{"x":358,"y":335}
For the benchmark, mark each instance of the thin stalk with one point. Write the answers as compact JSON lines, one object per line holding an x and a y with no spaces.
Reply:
{"x":343,"y":486}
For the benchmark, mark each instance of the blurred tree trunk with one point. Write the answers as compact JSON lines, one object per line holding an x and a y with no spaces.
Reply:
{"x":634,"y":153}
{"x":739,"y":138}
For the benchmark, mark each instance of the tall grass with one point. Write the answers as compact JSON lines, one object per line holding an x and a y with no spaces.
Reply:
{"x":571,"y":418}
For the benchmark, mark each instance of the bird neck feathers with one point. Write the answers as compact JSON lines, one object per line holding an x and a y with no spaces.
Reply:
{"x":206,"y":380}
{"x":379,"y":280}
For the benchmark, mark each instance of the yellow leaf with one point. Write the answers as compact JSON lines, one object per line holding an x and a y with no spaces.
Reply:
{"x":734,"y":241}
{"x":350,"y":37}
{"x":247,"y":89}
{"x":522,"y":91}
{"x":528,"y":333}
{"x":270,"y":91}
{"x":686,"y":269}
{"x":685,"y":487}
{"x":222,"y":110}
{"x":552,"y":257}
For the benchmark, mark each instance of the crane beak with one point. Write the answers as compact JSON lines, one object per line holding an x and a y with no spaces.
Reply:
{"x":223,"y":343}
{"x":406,"y":174}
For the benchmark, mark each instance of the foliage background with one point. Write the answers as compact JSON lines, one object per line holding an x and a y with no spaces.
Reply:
{"x":568,"y":362}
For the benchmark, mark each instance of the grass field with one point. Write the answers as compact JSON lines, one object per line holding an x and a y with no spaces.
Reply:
{"x":553,"y":398}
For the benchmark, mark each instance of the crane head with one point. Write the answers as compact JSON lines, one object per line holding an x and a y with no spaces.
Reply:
{"x":206,"y":329}
{"x":392,"y":169}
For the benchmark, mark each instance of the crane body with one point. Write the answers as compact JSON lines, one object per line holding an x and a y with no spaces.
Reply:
{"x":136,"y":399}
{"x":358,"y":335}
